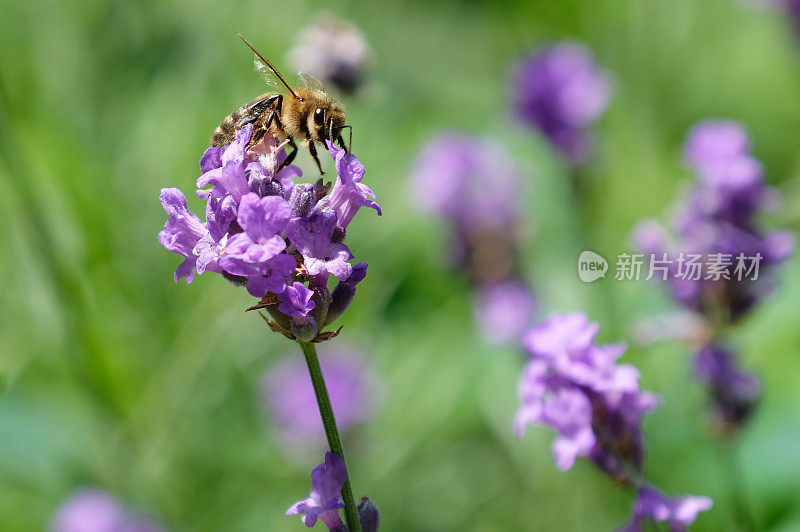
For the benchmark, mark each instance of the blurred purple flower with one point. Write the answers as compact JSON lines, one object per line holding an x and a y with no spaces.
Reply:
{"x":93,"y":510}
{"x":718,"y":216}
{"x":734,"y":392}
{"x":467,"y":180}
{"x":504,"y":310}
{"x":560,"y":91}
{"x":324,"y":501}
{"x":577,"y":387}
{"x":289,"y":396}
{"x":474,"y":184}
{"x":677,"y":512}
{"x":711,"y":141}
{"x":334,"y":51}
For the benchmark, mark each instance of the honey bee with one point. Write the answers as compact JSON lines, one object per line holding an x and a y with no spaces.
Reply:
{"x":306,"y":113}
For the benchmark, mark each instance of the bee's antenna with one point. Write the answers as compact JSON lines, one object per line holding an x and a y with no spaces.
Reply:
{"x":266,"y":62}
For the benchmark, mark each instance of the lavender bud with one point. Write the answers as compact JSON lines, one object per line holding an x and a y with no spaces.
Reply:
{"x":368,"y":515}
{"x":263,"y":185}
{"x":322,"y":301}
{"x":303,"y":199}
{"x":279,"y":317}
{"x":304,"y":329}
{"x":344,"y":292}
{"x":237,"y":280}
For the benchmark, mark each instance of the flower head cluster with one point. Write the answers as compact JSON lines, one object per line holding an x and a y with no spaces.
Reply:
{"x":596,"y":405}
{"x":560,"y":91}
{"x":578,"y":388}
{"x":733,"y":392}
{"x":281,"y":239}
{"x":290,"y":398}
{"x":324,"y":501}
{"x":96,"y":511}
{"x":718,"y":217}
{"x":334,"y":51}
{"x":474,"y":185}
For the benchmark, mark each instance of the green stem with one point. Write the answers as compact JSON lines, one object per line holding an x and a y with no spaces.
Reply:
{"x":331,"y":432}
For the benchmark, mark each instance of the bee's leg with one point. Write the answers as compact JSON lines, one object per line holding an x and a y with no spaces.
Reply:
{"x":313,"y":149}
{"x":255,"y":110}
{"x":257,"y":135}
{"x":290,"y":157}
{"x":340,"y":140}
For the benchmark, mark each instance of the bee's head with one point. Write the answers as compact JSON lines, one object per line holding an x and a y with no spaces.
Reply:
{"x":328,"y":121}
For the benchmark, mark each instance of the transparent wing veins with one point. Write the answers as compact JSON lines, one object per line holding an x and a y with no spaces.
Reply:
{"x":267,"y":74}
{"x":310,"y":82}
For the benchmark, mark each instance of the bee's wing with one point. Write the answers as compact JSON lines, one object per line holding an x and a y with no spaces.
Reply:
{"x":267,"y":74}
{"x":310,"y":82}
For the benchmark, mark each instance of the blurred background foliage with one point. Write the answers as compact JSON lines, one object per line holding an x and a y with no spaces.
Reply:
{"x":112,"y":376}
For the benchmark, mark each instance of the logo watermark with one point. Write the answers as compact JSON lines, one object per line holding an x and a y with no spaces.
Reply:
{"x":591,"y":266}
{"x":681,"y":266}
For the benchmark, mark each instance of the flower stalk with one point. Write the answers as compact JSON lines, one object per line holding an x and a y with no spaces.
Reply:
{"x":331,"y":431}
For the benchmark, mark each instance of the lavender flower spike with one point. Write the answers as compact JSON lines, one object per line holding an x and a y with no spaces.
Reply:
{"x":560,"y":91}
{"x":677,"y":512}
{"x":576,"y":387}
{"x":324,"y":501}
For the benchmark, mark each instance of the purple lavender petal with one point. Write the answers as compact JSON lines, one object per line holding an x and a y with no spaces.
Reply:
{"x":312,"y":236}
{"x":295,"y":300}
{"x":270,"y":276}
{"x":230,"y":178}
{"x":182,"y":231}
{"x":348,"y":193}
{"x":324,"y":501}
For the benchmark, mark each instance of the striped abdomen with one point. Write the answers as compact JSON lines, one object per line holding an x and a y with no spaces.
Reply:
{"x":225,"y":132}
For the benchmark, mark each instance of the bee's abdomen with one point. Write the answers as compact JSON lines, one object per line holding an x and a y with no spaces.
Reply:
{"x":226,"y":131}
